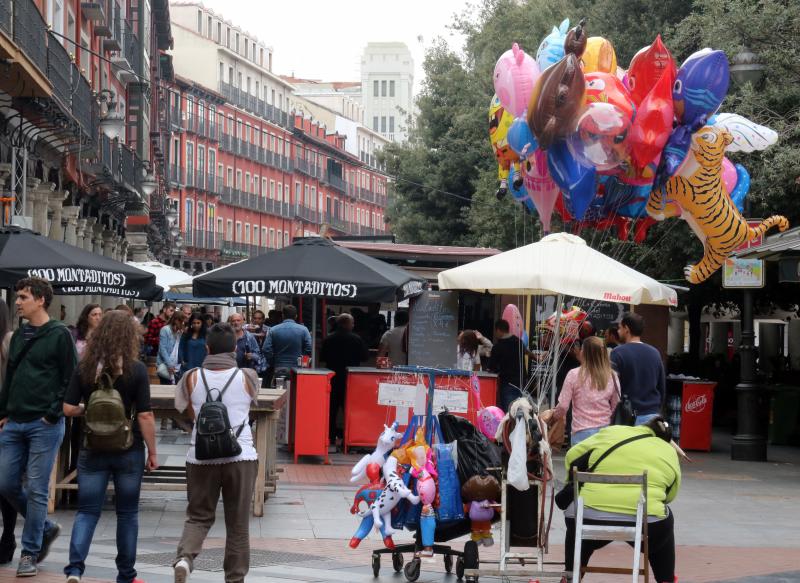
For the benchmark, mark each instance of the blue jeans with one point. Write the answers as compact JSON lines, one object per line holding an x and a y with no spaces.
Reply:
{"x":579,"y":436}
{"x":642,"y":419}
{"x":94,"y":471}
{"x":29,"y":448}
{"x":508,"y":394}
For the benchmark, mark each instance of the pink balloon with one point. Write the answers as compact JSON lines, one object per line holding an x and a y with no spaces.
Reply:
{"x":541,"y":188}
{"x":729,"y":176}
{"x":515,"y":74}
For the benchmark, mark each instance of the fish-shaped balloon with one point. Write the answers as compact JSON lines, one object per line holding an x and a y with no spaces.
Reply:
{"x":551,"y":49}
{"x":556,"y":101}
{"x":514,"y":76}
{"x":748,"y":136}
{"x":599,"y":56}
{"x":646,"y":69}
{"x":701,"y":86}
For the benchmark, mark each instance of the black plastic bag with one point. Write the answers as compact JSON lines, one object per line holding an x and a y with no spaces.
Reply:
{"x":475,"y":452}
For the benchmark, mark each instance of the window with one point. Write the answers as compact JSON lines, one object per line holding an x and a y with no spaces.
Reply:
{"x":239,"y":79}
{"x":375,"y":88}
{"x":219,"y":32}
{"x":229,"y":232}
{"x":248,"y":84}
{"x":237,"y":42}
{"x":273,"y":97}
{"x":220,"y":227}
{"x":383,"y":124}
{"x":256,"y":182}
{"x":306,"y":199}
{"x":239,"y":179}
{"x":272,"y":238}
{"x":286,"y":238}
{"x":201,"y":164}
{"x":375,"y":123}
{"x":264,"y":240}
{"x":189,"y":160}
{"x":280,"y":192}
{"x":257,"y":89}
{"x":383,"y":88}
{"x":201,"y":216}
{"x":228,"y":37}
{"x":246,"y":47}
{"x":55,"y":16}
{"x":261,"y":57}
{"x":247,"y":133}
{"x":200,"y":21}
{"x":239,"y":231}
{"x":391,"y":88}
{"x":272,"y":189}
{"x":239,"y":129}
{"x":230,"y":75}
{"x":298,"y":195}
{"x":391,"y":124}
{"x":246,"y":181}
{"x":255,"y":236}
{"x":212,"y":213}
{"x":208,"y":32}
{"x":247,"y":232}
{"x":229,"y":182}
{"x":254,"y":52}
{"x":188,"y":218}
{"x":222,"y":72}
{"x":263,"y":187}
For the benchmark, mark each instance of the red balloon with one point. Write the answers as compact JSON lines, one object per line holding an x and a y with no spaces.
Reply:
{"x":647,"y":67}
{"x":607,"y":88}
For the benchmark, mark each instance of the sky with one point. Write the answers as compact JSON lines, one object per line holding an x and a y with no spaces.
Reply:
{"x":324,"y":39}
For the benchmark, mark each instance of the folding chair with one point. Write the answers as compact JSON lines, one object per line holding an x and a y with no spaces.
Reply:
{"x":623,"y":532}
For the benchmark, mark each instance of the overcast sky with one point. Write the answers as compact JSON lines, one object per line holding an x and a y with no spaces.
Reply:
{"x":324,"y":39}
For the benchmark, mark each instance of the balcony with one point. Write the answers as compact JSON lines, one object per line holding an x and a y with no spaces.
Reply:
{"x":306,"y":214}
{"x":335,"y":182}
{"x":242,"y":99}
{"x":336,"y":222}
{"x":59,"y":68}
{"x":190,"y":177}
{"x":175,"y":175}
{"x":94,"y":11}
{"x":236,"y":249}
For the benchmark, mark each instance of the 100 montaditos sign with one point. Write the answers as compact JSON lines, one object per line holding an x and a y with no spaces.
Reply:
{"x":295,"y":287}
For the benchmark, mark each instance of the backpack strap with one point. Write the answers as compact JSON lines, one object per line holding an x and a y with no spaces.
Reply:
{"x":615,"y":446}
{"x":221,"y":392}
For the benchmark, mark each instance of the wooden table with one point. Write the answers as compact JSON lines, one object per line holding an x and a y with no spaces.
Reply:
{"x":162,"y":399}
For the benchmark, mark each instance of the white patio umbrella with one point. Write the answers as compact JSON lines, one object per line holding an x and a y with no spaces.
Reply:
{"x":559,"y":265}
{"x":166,"y":276}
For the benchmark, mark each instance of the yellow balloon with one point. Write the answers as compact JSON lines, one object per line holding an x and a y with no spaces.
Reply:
{"x":500,"y":121}
{"x":599,"y":56}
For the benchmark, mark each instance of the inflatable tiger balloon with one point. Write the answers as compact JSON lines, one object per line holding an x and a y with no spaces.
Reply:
{"x":705,"y":205}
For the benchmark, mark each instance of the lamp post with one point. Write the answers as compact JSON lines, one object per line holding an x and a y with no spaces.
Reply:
{"x":112,"y":122}
{"x":749,"y":443}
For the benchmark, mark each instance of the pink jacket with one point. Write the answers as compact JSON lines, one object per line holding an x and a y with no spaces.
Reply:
{"x":590,"y":407}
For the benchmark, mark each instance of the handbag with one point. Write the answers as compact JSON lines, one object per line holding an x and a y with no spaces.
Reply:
{"x":624,"y":413}
{"x":566,"y":495}
{"x":163,"y":371}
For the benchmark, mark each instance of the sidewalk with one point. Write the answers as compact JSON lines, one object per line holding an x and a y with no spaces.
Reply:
{"x":735,"y":523}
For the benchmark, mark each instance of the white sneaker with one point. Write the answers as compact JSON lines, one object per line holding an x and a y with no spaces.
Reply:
{"x":488,"y":541}
{"x":74,"y":579}
{"x":182,"y":571}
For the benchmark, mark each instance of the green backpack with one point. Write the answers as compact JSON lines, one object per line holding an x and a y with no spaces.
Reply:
{"x":107,"y":426}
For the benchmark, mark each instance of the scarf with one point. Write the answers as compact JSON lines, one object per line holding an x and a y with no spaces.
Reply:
{"x":221,"y":361}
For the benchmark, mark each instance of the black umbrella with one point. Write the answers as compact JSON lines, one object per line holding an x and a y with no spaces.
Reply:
{"x":314,"y":267}
{"x":69,"y":269}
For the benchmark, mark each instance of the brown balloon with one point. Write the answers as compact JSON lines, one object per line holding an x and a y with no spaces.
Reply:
{"x":556,"y":101}
{"x":480,"y":488}
{"x":575,"y":42}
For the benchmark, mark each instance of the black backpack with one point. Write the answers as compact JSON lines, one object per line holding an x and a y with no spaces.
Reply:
{"x":215,"y":438}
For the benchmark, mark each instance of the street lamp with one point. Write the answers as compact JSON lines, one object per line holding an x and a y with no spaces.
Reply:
{"x":749,"y":443}
{"x":112,"y":122}
{"x":148,"y":182}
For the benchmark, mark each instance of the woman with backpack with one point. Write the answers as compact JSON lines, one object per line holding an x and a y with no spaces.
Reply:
{"x":111,"y":387}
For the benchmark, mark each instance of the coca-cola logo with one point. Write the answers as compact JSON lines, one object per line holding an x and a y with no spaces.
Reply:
{"x":696,"y":404}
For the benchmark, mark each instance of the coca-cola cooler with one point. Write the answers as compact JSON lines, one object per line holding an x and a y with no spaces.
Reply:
{"x":697,"y":405}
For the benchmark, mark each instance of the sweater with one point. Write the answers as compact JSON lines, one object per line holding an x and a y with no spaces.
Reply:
{"x":590,"y":407}
{"x":34,"y":387}
{"x":641,"y":376}
{"x":652,"y":454}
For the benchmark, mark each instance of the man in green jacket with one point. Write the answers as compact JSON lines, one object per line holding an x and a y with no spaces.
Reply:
{"x":615,"y":503}
{"x":41,"y":359}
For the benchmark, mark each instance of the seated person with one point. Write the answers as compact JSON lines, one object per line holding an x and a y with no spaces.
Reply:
{"x":615,"y":503}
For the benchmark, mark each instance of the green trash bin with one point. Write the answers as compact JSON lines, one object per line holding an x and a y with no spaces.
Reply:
{"x":784,"y":415}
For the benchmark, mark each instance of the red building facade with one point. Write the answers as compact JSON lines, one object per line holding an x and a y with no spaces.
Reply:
{"x":246,"y":178}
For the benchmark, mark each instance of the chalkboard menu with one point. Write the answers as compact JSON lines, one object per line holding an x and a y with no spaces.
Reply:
{"x":433,"y":329}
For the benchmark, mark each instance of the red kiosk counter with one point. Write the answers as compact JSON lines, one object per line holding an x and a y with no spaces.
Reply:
{"x":377,"y":397}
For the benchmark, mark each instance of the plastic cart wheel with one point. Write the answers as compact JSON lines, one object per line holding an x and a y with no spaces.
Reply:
{"x":459,"y":568}
{"x":471,"y":557}
{"x":397,"y":562}
{"x":411,"y":570}
{"x":448,"y":563}
{"x":376,"y":565}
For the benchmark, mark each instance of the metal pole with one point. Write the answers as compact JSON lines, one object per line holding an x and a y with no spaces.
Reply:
{"x":749,"y":443}
{"x":314,"y":332}
{"x":556,"y":350}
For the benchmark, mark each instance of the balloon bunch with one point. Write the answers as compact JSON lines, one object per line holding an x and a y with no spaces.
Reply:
{"x":575,"y":133}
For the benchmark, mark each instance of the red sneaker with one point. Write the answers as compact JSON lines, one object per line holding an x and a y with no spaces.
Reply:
{"x":388,"y":542}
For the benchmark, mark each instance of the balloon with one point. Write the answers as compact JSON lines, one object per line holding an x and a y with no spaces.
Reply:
{"x":520,"y":193}
{"x":700,"y":87}
{"x":556,"y":100}
{"x":650,"y":80}
{"x":489,"y":419}
{"x":728,"y":175}
{"x":551,"y":49}
{"x":520,"y":138}
{"x":607,"y":88}
{"x":575,"y":41}
{"x":707,"y":207}
{"x":367,"y":494}
{"x":742,"y":187}
{"x":577,"y":181}
{"x":512,"y":315}
{"x":748,"y":136}
{"x":540,"y":186}
{"x":646,"y":69}
{"x":599,"y":56}
{"x":499,"y":123}
{"x":514,"y":76}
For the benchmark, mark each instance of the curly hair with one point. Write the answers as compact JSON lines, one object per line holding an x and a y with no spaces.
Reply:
{"x":115,"y":340}
{"x":82,"y":325}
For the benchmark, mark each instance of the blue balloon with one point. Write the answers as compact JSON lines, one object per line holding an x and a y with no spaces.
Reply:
{"x":577,"y":182}
{"x":675,"y":152}
{"x":742,"y":187}
{"x":520,"y":194}
{"x":520,"y":138}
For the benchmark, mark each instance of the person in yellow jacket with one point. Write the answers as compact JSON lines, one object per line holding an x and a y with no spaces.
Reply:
{"x":650,"y":451}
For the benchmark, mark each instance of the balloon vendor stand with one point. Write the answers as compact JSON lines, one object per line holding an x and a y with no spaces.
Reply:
{"x":419,"y":472}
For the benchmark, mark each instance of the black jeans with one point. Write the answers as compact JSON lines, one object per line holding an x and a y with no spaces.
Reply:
{"x":660,"y":541}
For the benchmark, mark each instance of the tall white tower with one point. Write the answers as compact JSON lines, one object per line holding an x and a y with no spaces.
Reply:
{"x":387,"y":80}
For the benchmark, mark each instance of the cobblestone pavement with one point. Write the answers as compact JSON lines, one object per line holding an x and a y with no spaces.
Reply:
{"x":735,"y":523}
